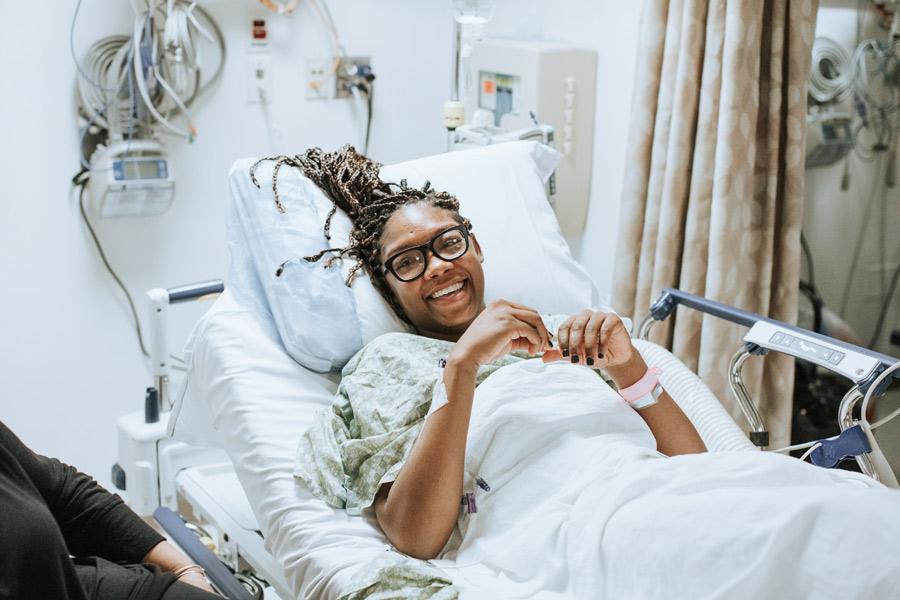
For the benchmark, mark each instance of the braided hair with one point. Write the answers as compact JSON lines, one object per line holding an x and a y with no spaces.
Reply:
{"x":351,"y":182}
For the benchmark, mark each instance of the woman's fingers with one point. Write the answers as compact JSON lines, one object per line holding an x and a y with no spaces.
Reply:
{"x":583,"y":338}
{"x":562,"y":336}
{"x":608,"y":329}
{"x":534,"y":320}
{"x":592,"y":348}
{"x":577,"y":336}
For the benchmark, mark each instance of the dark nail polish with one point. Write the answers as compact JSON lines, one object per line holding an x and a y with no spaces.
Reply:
{"x":599,"y":355}
{"x":574,"y":358}
{"x":590,"y":361}
{"x":565,"y":352}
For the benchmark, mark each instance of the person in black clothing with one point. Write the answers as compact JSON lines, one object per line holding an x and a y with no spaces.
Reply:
{"x":62,"y":536}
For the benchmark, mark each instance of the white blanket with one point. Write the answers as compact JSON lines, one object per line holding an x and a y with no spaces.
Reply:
{"x":582,"y":506}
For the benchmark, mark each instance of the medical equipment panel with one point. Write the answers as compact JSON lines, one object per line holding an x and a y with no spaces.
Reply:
{"x":514,"y":84}
{"x":851,"y":364}
{"x":131,"y":179}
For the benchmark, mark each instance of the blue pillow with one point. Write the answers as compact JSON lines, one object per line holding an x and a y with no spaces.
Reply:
{"x":313,"y":310}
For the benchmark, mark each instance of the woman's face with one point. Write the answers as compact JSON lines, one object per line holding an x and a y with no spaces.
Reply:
{"x":448,"y":315}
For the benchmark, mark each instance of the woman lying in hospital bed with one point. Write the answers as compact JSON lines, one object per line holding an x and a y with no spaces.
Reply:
{"x":550,"y":477}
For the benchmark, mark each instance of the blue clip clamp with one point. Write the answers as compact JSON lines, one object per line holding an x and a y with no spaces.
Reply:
{"x":850,"y":443}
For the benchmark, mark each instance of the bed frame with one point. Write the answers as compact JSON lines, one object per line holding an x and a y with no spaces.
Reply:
{"x":196,"y":497}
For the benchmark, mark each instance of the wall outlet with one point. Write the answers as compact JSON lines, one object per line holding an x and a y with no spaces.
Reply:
{"x":320,"y":78}
{"x":350,"y":70}
{"x":259,"y":78}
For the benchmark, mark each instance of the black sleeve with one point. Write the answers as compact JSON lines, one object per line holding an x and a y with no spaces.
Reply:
{"x":93,"y":521}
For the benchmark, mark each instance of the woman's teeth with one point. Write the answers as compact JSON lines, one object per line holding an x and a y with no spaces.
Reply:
{"x":447,"y":290}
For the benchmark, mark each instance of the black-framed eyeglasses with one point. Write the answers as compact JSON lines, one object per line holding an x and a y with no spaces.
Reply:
{"x":410,"y":264}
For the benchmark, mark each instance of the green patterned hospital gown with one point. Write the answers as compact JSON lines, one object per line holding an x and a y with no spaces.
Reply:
{"x":363,"y":440}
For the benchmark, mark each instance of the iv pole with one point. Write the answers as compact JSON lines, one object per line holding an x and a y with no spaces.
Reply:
{"x":454,"y":111}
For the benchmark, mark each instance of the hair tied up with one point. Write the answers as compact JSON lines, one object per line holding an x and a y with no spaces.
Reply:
{"x":351,"y":181}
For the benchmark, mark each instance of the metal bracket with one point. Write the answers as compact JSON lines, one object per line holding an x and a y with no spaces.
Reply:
{"x":759,"y":435}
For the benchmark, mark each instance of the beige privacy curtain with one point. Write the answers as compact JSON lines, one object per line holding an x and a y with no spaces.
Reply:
{"x":713,"y":196}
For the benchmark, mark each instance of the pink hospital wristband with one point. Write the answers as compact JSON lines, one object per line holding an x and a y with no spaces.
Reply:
{"x":644,"y":391}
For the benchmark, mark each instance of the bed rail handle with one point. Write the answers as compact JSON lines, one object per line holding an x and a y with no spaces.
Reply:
{"x":670,"y":298}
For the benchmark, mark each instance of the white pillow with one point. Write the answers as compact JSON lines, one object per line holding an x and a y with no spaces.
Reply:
{"x":321,"y":322}
{"x":232,"y":354}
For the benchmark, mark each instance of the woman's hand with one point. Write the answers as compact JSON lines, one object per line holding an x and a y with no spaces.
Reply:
{"x":500,"y":328}
{"x":198,"y":581}
{"x":169,"y":558}
{"x":600,"y":340}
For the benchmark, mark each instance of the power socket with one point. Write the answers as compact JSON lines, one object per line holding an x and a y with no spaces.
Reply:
{"x":350,"y":71}
{"x":259,"y":77}
{"x":320,"y":78}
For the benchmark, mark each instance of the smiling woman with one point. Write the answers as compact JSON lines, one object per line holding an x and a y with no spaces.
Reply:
{"x":421,"y":255}
{"x":438,"y":280}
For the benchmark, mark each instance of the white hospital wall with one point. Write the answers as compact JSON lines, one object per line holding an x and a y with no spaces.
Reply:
{"x":832,"y":217}
{"x":69,"y":363}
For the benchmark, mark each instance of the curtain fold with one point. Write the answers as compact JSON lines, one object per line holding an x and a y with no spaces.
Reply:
{"x":713,"y":195}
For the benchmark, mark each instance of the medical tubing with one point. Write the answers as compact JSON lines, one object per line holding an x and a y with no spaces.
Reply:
{"x":885,"y":305}
{"x":871,"y":392}
{"x":370,"y":92}
{"x":72,"y":50}
{"x":138,"y":36}
{"x":812,"y":449}
{"x":325,"y":16}
{"x":111,"y":271}
{"x":178,"y":75}
{"x":861,"y":236}
{"x":810,"y":267}
{"x":115,"y":276}
{"x":795,"y":447}
{"x":830,"y":75}
{"x":884,"y":420}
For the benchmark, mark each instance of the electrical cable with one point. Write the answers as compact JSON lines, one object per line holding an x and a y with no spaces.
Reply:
{"x":810,"y":269}
{"x":169,"y":57}
{"x":861,"y":237}
{"x":72,"y":50}
{"x":357,"y":90}
{"x":796,"y":447}
{"x":812,"y":449}
{"x":830,"y":75}
{"x":82,"y":184}
{"x":267,"y":119}
{"x":884,"y":420}
{"x":864,"y":408}
{"x":327,"y":19}
{"x":369,"y":91}
{"x":279,"y":8}
{"x":885,"y":306}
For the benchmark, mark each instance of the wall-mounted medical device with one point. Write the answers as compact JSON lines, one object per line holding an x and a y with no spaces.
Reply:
{"x":521,"y":83}
{"x":829,"y":137}
{"x":132,"y":178}
{"x":132,"y":88}
{"x":475,"y":136}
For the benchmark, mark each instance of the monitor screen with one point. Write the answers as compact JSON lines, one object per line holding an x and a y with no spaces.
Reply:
{"x":140,"y":168}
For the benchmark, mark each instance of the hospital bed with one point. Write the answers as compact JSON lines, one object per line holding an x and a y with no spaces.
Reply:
{"x":226,"y":467}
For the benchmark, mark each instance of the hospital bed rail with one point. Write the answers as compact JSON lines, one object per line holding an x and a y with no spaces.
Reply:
{"x":861,"y":365}
{"x":227,"y":583}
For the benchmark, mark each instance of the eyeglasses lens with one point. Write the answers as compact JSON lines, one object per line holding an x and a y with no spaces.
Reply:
{"x":450,"y":245}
